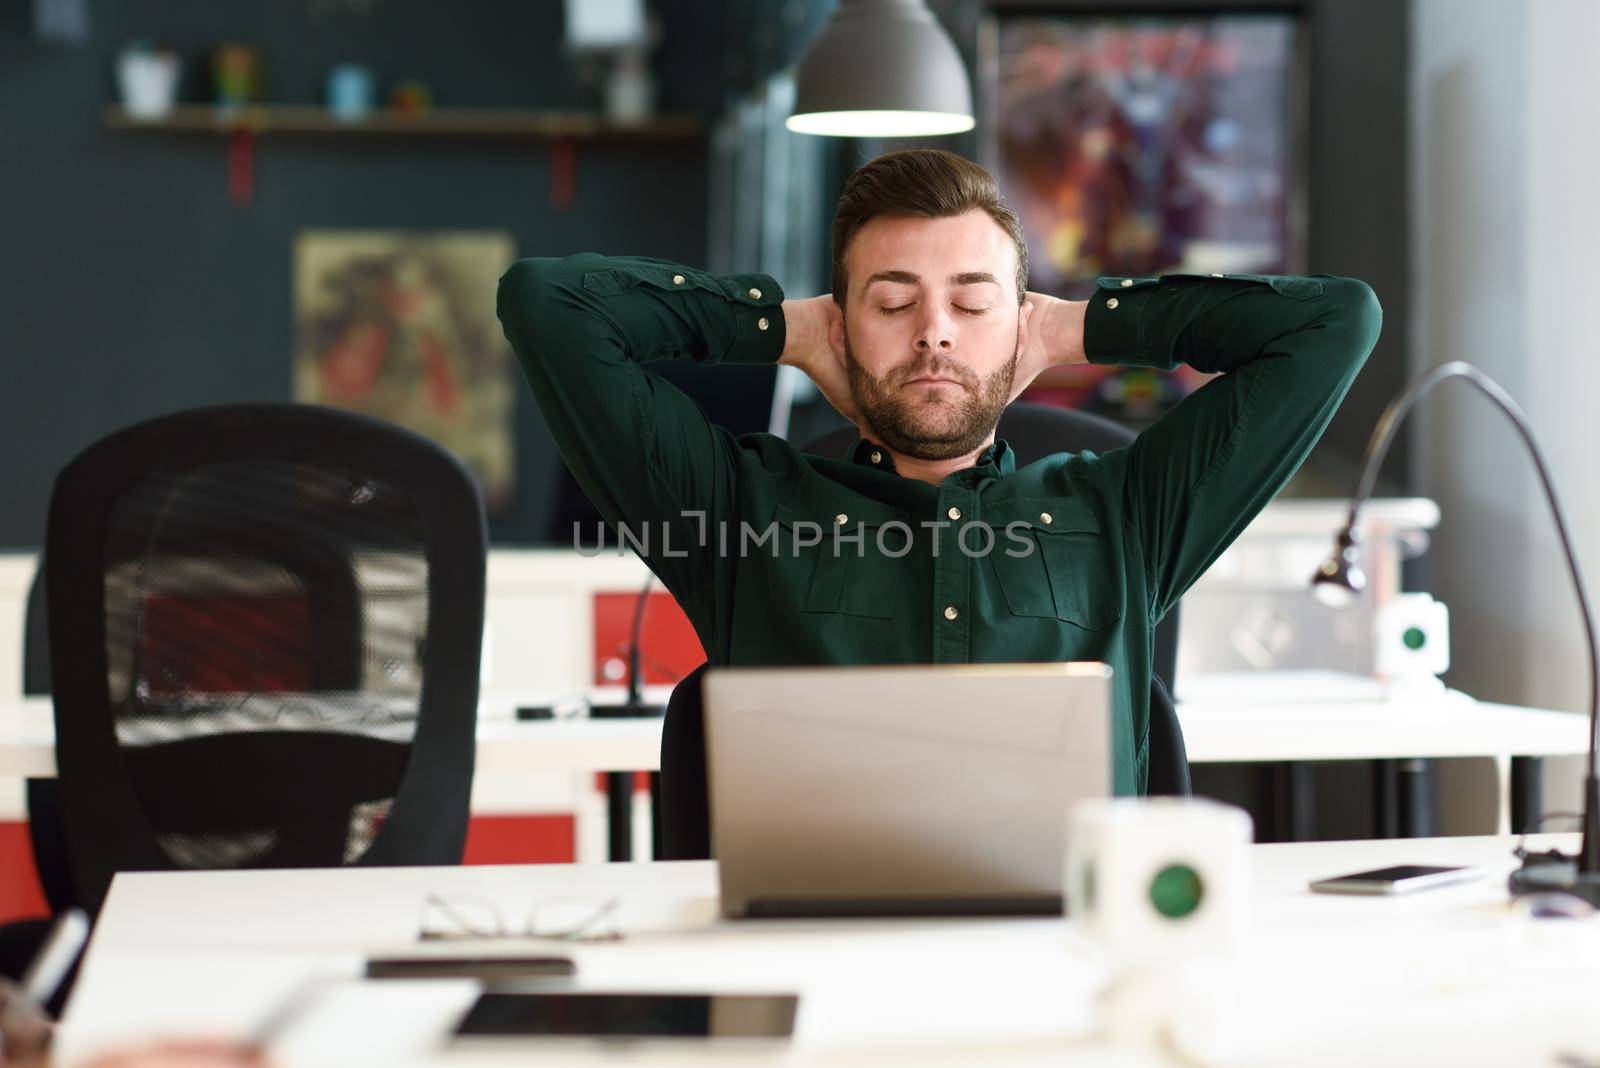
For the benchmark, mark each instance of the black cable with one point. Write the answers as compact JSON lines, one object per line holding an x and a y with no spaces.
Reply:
{"x":1531,"y":828}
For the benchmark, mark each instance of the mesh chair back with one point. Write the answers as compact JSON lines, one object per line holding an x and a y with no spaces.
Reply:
{"x":265,"y":632}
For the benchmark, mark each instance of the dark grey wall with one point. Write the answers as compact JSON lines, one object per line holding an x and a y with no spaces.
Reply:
{"x":1360,"y":178}
{"x":130,"y":286}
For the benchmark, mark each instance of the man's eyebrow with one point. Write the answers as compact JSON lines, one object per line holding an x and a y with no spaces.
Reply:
{"x":903,"y":277}
{"x":907,"y":278}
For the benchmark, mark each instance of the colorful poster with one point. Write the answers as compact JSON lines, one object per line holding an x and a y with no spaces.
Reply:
{"x":402,"y":326}
{"x":1146,"y":145}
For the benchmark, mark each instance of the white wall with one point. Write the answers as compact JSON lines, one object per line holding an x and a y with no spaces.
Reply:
{"x":1505,"y":107}
{"x":1562,"y":214}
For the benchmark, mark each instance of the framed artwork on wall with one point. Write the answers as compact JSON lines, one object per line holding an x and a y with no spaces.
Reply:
{"x":401,"y":326}
{"x":1145,"y":144}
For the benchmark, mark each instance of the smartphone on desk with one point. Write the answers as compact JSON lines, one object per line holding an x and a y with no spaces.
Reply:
{"x":490,"y":969}
{"x":1401,"y":879}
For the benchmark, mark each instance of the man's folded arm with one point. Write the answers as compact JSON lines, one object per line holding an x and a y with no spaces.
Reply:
{"x":1286,"y":350}
{"x":583,"y":328}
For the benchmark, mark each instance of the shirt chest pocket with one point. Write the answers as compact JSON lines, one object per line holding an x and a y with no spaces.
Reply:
{"x":1052,"y":561}
{"x":845,"y":561}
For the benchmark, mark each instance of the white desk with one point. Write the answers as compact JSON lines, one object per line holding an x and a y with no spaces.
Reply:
{"x":1259,"y":727}
{"x":1214,"y":731}
{"x":1447,"y":977}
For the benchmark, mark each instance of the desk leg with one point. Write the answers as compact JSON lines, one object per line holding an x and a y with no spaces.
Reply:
{"x":1403,"y":798}
{"x":655,"y":816}
{"x":1527,"y":793}
{"x":1286,"y":794}
{"x":619,"y":815}
{"x":1416,"y":799}
{"x":1385,"y":799}
{"x":1416,"y":792}
{"x":1302,"y":791}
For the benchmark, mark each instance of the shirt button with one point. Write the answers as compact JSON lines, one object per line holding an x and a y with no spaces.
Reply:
{"x":1112,"y":303}
{"x":954,"y":513}
{"x":950,"y":611}
{"x":1126,"y":282}
{"x":840,"y":520}
{"x":761,"y":323}
{"x":877,"y":457}
{"x":755,"y":294}
{"x":1044,"y":517}
{"x":677,"y":279}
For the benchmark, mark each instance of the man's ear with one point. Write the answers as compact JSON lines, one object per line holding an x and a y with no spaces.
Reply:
{"x":1024,"y":313}
{"x":836,"y":330}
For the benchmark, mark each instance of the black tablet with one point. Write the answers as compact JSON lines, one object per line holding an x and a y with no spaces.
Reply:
{"x":505,"y":1014}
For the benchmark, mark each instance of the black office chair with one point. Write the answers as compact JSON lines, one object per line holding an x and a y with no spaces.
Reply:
{"x":265,"y":631}
{"x":1033,"y":432}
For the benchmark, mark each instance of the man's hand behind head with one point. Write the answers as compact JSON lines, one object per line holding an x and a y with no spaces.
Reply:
{"x":810,"y":326}
{"x":1054,"y":336}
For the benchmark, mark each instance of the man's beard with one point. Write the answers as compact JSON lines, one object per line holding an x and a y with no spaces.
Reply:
{"x":909,"y":424}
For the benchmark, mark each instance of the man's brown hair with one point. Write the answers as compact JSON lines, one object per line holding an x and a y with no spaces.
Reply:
{"x":926,"y":183}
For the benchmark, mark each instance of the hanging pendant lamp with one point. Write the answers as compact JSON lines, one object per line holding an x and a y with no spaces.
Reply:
{"x":882,"y":68}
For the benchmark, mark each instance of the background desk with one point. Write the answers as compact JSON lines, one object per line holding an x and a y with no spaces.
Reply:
{"x":1323,"y":980}
{"x":1214,"y":731}
{"x":1259,"y":727}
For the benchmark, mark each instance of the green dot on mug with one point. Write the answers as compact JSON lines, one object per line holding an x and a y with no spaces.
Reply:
{"x":1176,"y":891}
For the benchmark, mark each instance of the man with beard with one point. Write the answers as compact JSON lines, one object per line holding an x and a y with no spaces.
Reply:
{"x":926,"y":544}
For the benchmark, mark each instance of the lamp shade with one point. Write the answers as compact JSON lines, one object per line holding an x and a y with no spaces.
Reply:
{"x":882,"y":68}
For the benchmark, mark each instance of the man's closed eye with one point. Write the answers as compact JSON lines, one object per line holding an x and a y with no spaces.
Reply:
{"x":958,"y":307}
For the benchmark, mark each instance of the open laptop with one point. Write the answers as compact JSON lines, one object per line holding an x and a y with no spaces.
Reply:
{"x":914,"y":790}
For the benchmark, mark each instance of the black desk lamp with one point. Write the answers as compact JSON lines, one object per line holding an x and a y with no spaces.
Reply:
{"x":1339,"y":580}
{"x":634,"y":706}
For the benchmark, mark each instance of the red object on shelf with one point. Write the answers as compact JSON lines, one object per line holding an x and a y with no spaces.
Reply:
{"x":563,"y":173}
{"x":669,"y":645}
{"x":241,"y":166}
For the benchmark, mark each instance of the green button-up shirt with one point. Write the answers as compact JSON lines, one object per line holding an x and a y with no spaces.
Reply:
{"x":779,"y":557}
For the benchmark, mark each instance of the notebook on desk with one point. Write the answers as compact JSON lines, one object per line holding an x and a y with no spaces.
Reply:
{"x":914,"y":790}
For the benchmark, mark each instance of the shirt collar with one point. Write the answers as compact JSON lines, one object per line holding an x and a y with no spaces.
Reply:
{"x":997,"y":461}
{"x":998,"y":458}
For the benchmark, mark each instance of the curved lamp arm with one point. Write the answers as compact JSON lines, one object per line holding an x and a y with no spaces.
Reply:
{"x":1335,"y":571}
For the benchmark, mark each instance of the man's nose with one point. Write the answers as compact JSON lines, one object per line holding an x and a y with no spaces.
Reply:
{"x":935,"y":331}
